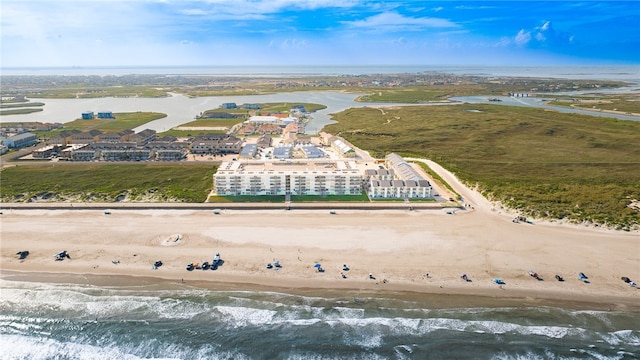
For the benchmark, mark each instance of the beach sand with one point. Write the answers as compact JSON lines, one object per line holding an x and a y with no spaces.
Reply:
{"x":400,"y":246}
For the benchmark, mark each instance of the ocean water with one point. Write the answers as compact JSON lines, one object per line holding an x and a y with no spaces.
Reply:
{"x":603,"y":72}
{"x":71,"y":321}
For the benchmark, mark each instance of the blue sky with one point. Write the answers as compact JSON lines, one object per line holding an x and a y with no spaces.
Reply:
{"x":317,"y":32}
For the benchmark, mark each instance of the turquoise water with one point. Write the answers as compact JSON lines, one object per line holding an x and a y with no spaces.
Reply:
{"x":70,"y":321}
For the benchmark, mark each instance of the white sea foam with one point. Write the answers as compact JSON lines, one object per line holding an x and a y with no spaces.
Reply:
{"x":623,"y":337}
{"x":22,"y":347}
{"x":241,"y":316}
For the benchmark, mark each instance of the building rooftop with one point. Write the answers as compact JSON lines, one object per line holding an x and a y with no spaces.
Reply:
{"x":302,"y":166}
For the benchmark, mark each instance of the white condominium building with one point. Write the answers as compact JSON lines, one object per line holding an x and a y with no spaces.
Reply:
{"x":401,"y":181}
{"x":295,"y":177}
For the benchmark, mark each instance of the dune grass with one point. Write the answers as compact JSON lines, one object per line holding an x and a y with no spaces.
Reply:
{"x":108,"y":182}
{"x":543,"y":163}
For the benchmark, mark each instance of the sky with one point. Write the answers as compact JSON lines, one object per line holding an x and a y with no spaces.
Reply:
{"x":61,"y":33}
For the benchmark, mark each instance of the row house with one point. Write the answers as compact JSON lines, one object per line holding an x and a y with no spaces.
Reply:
{"x":264,"y":141}
{"x":115,"y":137}
{"x":216,"y":144}
{"x":86,"y":153}
{"x":136,"y":154}
{"x":401,"y":181}
{"x":46,"y":152}
{"x":247,"y":129}
{"x":230,"y":145}
{"x":78,"y":153}
{"x":143,"y":137}
{"x":170,"y":154}
{"x":168,"y":145}
{"x":87,"y":137}
{"x":269,"y":129}
{"x":380,"y":174}
{"x":64,"y":137}
{"x":399,"y":189}
{"x":113,"y":146}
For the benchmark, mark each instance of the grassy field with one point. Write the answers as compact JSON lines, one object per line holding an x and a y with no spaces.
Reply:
{"x":122,"y":121}
{"x":330,"y":198}
{"x":19,"y":106}
{"x":268,"y":108}
{"x":89,"y":91}
{"x":416,"y":94}
{"x":622,"y":103}
{"x":213,"y":122}
{"x":19,"y":111}
{"x":22,"y":104}
{"x":108,"y":183}
{"x":411,"y":96}
{"x":189,"y":133}
{"x":543,"y":163}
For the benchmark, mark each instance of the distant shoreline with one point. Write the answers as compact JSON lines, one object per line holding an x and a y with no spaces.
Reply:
{"x":596,"y":72}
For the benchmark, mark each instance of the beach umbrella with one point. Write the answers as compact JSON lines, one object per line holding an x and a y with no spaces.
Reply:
{"x":317,"y":266}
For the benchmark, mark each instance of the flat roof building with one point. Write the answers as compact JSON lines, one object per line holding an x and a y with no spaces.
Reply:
{"x":300,"y":177}
{"x":248,"y":151}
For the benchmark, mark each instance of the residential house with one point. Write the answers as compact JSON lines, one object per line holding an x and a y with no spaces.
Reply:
{"x":143,"y":137}
{"x":86,"y":137}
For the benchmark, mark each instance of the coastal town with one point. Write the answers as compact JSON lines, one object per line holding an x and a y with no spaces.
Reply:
{"x":268,"y":154}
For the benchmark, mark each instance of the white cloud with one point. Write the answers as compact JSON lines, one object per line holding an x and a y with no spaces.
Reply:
{"x":256,"y":9}
{"x":289,"y":44}
{"x":541,"y":36}
{"x":394,"y":21}
{"x":522,"y":38}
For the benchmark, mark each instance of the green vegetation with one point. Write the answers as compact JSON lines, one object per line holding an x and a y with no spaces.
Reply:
{"x":190,"y":133}
{"x":122,"y":121}
{"x":408,"y":96}
{"x":72,"y":92}
{"x":622,"y":103}
{"x":19,"y":104}
{"x":424,"y":93}
{"x":19,"y":111}
{"x":280,"y":107}
{"x":543,"y":163}
{"x":220,"y":92}
{"x":285,"y":107}
{"x":330,"y":198}
{"x":214,"y":122}
{"x":247,"y":199}
{"x":108,"y":183}
{"x":437,"y":179}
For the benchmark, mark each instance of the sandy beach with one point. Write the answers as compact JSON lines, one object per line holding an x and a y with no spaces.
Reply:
{"x":398,"y":246}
